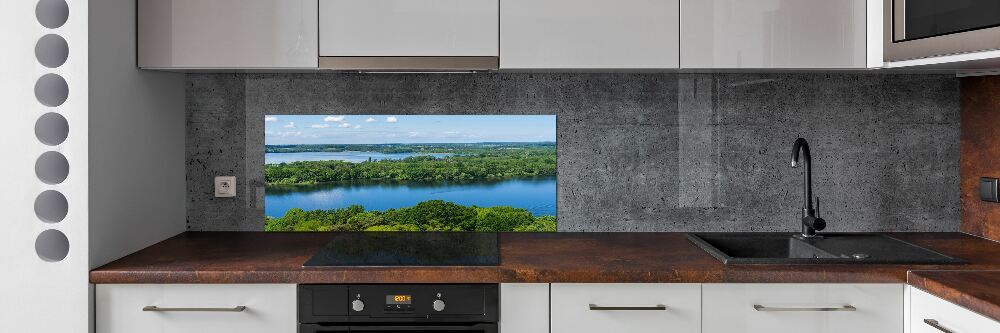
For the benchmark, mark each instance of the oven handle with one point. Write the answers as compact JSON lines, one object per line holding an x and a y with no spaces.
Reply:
{"x":484,"y":328}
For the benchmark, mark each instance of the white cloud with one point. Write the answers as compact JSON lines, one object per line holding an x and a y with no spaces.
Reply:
{"x":334,"y":119}
{"x":270,"y":119}
{"x":414,"y":134}
{"x":391,"y":119}
{"x":320,"y":126}
{"x":370,"y":120}
{"x":357,"y":126}
{"x":344,"y":125}
{"x":290,"y":133}
{"x":290,"y":125}
{"x":450,"y":132}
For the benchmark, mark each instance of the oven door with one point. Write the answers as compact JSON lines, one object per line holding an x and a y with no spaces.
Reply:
{"x":375,"y":328}
{"x":916,"y":29}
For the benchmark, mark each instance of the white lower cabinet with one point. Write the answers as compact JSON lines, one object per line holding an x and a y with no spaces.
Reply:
{"x":930,"y":314}
{"x":524,"y":307}
{"x":627,"y":307}
{"x":186,"y":308}
{"x":803,"y":308}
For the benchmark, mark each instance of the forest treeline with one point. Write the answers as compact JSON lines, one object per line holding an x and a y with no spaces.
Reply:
{"x":494,"y":164}
{"x":431,"y":215}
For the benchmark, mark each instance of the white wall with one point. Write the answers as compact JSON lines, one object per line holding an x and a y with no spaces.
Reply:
{"x":38,"y":295}
{"x":138,"y":131}
{"x":137,"y":186}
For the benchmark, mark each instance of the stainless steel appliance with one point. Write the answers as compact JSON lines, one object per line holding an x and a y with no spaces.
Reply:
{"x":916,"y":29}
{"x":453,"y":308}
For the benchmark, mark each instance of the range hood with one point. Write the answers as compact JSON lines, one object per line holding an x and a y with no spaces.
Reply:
{"x":410,"y":64}
{"x":409,"y":35}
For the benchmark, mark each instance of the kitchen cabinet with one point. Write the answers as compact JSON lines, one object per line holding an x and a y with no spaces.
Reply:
{"x":524,"y":307}
{"x":220,"y":34}
{"x":780,"y":34}
{"x":626,"y":307}
{"x":410,"y":28}
{"x":186,"y":308}
{"x":802,"y":308}
{"x":930,"y":314}
{"x":589,"y":34}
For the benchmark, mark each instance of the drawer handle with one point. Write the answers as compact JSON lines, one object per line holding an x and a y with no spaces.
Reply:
{"x":159,"y":309}
{"x":769,"y":308}
{"x":935,"y":324}
{"x":595,"y":307}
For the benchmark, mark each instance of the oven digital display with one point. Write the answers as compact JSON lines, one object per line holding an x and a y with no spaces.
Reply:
{"x":398,"y":299}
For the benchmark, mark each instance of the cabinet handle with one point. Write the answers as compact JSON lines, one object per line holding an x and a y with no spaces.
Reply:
{"x":159,"y":309}
{"x":934,"y":323}
{"x":768,"y":308}
{"x":595,"y":307}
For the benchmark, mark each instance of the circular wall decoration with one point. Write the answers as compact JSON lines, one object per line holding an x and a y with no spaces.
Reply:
{"x":51,"y":90}
{"x":51,"y":129}
{"x":52,"y":13}
{"x":51,"y":51}
{"x":51,"y":206}
{"x":52,"y":168}
{"x":52,"y":245}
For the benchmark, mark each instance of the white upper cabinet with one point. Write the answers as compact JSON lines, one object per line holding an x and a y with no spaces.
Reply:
{"x":227,"y":34}
{"x":409,"y":28}
{"x":780,"y":34}
{"x":589,"y":34}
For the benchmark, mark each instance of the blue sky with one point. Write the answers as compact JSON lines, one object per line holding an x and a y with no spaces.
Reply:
{"x":348,"y":129}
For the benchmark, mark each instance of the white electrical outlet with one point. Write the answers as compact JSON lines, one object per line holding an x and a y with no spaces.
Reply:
{"x":225,"y":186}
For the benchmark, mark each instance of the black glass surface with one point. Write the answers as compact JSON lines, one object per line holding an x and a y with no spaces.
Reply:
{"x":930,"y":18}
{"x":408,"y":249}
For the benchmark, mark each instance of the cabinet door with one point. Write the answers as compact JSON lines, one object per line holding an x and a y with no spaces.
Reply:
{"x":627,"y":307}
{"x":270,"y":308}
{"x":803,"y":308}
{"x":589,"y":34}
{"x":227,"y":34}
{"x":524,"y":307}
{"x":927,"y":310}
{"x":773,"y":34}
{"x":425,"y":28}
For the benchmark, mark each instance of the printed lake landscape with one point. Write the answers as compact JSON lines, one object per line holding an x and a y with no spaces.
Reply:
{"x":410,"y":173}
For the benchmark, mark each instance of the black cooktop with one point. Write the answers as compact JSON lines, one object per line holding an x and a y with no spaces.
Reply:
{"x":408,"y":249}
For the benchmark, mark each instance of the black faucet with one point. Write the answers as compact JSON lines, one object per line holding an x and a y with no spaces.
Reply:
{"x":810,"y":221}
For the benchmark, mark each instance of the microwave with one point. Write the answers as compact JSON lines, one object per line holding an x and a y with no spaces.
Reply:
{"x":915,"y":29}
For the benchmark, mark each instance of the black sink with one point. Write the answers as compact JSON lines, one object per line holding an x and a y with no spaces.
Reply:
{"x":836,"y":248}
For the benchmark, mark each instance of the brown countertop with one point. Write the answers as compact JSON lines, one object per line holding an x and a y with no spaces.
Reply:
{"x":259,"y":257}
{"x":978,"y":291}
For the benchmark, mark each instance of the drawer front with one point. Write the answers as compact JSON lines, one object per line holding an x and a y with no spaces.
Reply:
{"x":269,"y":308}
{"x":803,"y":308}
{"x":633,"y":308}
{"x":947,"y":316}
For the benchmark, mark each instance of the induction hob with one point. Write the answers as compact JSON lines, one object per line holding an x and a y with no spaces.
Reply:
{"x":408,"y":249}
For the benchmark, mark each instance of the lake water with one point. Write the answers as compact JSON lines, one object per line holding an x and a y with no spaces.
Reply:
{"x":537,"y":195}
{"x":348,"y":156}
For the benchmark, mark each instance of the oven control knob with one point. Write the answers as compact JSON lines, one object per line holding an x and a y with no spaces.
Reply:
{"x":358,"y":305}
{"x":438,"y":305}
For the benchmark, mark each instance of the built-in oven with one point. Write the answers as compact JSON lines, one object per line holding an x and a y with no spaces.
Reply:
{"x":378,"y":308}
{"x":916,"y":29}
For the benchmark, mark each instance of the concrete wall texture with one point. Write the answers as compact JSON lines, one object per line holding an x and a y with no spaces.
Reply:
{"x":637,"y":152}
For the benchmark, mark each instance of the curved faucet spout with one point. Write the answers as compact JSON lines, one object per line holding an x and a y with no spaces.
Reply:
{"x":810,"y":222}
{"x":802,"y":146}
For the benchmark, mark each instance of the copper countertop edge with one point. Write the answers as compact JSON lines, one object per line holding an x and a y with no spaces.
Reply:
{"x":975,"y":290}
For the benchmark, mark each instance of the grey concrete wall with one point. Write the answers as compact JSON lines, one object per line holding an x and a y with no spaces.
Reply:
{"x":637,"y":152}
